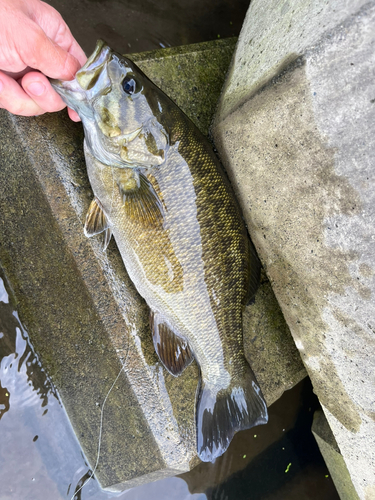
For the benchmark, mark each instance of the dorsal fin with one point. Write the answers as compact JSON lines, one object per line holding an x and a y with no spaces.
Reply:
{"x":140,"y":199}
{"x":173,"y":350}
{"x":97,"y":222}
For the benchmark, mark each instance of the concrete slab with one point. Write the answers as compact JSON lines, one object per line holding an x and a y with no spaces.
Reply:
{"x":82,"y":312}
{"x":295,"y":132}
{"x":333,"y":458}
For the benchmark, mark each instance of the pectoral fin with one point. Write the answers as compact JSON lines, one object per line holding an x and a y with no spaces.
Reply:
{"x":96,"y":222}
{"x":107,"y":238}
{"x":140,"y":199}
{"x":173,"y":350}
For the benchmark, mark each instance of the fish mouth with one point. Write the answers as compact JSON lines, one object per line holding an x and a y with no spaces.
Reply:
{"x":100,"y":45}
{"x":69,"y":91}
{"x":88,"y":74}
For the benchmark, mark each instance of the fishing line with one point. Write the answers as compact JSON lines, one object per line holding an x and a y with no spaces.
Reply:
{"x":101,"y":174}
{"x":101,"y":428}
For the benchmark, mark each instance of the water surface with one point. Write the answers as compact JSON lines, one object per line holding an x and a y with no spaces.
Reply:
{"x":40,"y":456}
{"x":131,"y":26}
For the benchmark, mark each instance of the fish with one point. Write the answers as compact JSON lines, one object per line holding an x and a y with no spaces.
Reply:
{"x":161,"y":192}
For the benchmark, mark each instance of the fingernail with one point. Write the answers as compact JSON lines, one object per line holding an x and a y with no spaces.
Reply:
{"x":36,"y":88}
{"x":1,"y":86}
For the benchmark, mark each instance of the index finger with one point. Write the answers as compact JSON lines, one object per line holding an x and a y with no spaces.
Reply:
{"x":47,"y":56}
{"x":53,"y":24}
{"x":76,"y":51}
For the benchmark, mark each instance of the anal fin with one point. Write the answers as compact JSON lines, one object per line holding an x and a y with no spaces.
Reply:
{"x":173,"y":350}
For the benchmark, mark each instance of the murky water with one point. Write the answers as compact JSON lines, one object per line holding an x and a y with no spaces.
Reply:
{"x":41,"y":458}
{"x":130,"y":26}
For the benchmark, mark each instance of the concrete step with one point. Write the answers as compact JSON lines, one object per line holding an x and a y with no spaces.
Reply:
{"x":83,"y":314}
{"x":295,"y":130}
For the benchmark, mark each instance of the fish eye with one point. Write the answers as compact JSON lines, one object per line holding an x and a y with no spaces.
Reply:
{"x":130,"y":85}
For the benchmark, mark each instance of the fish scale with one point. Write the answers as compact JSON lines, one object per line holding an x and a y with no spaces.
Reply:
{"x":160,"y":190}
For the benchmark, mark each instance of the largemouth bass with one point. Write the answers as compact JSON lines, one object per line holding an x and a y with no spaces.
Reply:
{"x":161,"y":192}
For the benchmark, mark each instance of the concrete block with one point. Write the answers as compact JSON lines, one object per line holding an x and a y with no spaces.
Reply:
{"x":295,"y":131}
{"x":83,"y":314}
{"x":333,"y":458}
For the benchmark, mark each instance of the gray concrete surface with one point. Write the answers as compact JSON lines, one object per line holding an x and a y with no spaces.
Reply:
{"x":333,"y":458}
{"x":295,"y":130}
{"x":83,"y":314}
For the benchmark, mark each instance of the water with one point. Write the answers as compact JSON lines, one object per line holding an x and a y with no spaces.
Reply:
{"x":40,"y":456}
{"x":130,"y":26}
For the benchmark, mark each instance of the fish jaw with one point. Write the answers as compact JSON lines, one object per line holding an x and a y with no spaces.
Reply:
{"x":87,"y":76}
{"x":121,"y":130}
{"x":73,"y":96}
{"x":79,"y":92}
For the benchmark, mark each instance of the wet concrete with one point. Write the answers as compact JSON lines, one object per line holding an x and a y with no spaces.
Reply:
{"x":40,"y":456}
{"x":332,"y":457}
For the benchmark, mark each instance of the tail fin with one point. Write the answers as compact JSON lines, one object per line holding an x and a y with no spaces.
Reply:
{"x":222,"y":413}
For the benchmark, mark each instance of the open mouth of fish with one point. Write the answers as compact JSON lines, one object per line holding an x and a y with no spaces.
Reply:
{"x":78,"y":89}
{"x":87,"y":76}
{"x":82,"y":92}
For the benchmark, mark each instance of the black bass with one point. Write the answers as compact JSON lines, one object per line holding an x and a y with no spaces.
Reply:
{"x":160,"y":190}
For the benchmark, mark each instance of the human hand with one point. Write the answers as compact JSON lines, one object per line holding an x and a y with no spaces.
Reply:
{"x":35,"y":43}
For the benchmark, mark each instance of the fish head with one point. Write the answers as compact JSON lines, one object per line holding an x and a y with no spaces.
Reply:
{"x":120,"y":108}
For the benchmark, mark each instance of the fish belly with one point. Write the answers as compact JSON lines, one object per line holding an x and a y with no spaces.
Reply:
{"x":169,"y":268}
